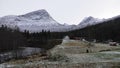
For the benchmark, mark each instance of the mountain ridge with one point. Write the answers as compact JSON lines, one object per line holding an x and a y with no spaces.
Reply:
{"x":39,"y":20}
{"x":35,"y":21}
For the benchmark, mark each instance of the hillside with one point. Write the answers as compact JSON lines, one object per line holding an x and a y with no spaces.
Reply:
{"x":107,"y":30}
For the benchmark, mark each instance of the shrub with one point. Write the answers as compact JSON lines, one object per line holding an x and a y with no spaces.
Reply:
{"x":58,"y":57}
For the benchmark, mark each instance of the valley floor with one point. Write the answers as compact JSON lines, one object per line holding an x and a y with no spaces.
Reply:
{"x":104,"y":59}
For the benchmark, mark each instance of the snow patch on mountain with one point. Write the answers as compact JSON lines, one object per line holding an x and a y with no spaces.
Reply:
{"x":88,"y":21}
{"x":35,"y":21}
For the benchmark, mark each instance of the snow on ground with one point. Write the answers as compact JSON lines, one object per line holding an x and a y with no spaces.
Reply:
{"x":111,"y":56}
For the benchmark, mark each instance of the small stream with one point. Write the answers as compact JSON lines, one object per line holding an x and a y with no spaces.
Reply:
{"x":21,"y":52}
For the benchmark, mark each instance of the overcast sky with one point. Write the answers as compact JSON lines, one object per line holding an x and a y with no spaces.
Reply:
{"x":63,"y":11}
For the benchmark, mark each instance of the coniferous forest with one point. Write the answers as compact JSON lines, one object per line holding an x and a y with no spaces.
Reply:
{"x":11,"y":39}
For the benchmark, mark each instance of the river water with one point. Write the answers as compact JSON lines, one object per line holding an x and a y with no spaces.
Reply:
{"x":21,"y":52}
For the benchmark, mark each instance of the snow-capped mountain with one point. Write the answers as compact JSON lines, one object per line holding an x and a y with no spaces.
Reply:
{"x":88,"y":21}
{"x":35,"y":21}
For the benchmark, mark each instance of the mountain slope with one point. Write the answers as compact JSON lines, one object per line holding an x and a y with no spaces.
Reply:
{"x":103,"y":31}
{"x":88,"y":21}
{"x":34,"y":22}
{"x":37,"y":21}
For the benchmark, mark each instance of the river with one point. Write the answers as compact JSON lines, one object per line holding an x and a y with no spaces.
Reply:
{"x":21,"y":52}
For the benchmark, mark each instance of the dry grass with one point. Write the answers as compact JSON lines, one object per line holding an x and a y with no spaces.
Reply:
{"x":75,"y":43}
{"x":28,"y":59}
{"x":72,"y":50}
